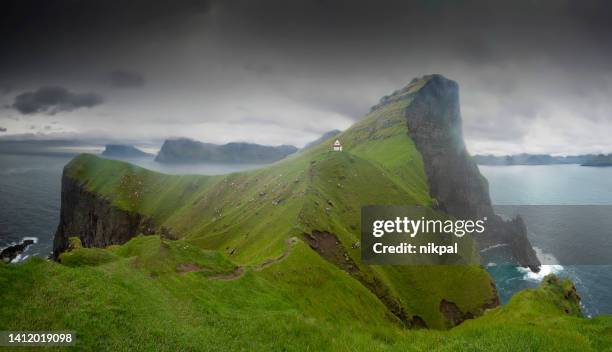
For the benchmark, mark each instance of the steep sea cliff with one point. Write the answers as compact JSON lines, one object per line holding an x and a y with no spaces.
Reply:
{"x":94,"y":219}
{"x":435,"y":125}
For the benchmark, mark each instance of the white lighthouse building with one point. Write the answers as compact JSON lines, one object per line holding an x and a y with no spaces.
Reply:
{"x":337,"y":146}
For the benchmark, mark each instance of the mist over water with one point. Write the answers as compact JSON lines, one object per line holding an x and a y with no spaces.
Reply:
{"x":191,"y":169}
{"x":549,"y":184}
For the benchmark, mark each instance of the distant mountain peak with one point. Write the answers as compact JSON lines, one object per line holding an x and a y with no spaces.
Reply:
{"x":184,"y":150}
{"x":411,"y":88}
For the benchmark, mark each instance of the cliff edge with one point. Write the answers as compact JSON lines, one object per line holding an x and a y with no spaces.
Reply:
{"x":435,"y":125}
{"x":94,"y":219}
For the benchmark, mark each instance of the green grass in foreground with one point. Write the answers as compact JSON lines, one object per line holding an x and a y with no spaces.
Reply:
{"x":158,"y":295}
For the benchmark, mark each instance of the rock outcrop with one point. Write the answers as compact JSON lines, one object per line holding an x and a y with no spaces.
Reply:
{"x":94,"y":220}
{"x":11,"y":252}
{"x":434,"y":124}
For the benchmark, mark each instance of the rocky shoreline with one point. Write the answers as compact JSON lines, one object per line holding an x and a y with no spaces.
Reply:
{"x":11,"y":252}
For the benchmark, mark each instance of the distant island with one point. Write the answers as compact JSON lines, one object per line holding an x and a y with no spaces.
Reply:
{"x":600,"y":160}
{"x":183,"y":150}
{"x":124,"y":151}
{"x":532,"y":159}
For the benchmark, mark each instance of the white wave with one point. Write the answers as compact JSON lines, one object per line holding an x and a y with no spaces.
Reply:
{"x":18,"y":170}
{"x":545,"y":269}
{"x":20,"y":258}
{"x":493,"y":247}
{"x":13,"y":243}
{"x":553,"y":266}
{"x":583,"y":308}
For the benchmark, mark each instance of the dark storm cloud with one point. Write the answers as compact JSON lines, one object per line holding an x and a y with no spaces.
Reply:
{"x":474,"y":31}
{"x":367,"y":34}
{"x":53,"y":99}
{"x":66,"y":30}
{"x":330,"y":36}
{"x":95,"y":19}
{"x":298,"y":65}
{"x":126,"y":79}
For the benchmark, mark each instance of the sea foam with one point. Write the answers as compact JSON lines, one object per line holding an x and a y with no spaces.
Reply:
{"x":553,"y":266}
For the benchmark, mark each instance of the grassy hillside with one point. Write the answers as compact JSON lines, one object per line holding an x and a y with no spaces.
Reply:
{"x":251,"y":215}
{"x":153,"y":294}
{"x":256,"y":211}
{"x":244,"y":273}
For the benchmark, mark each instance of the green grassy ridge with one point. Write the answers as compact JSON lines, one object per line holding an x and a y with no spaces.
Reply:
{"x":205,"y":209}
{"x":128,"y":304}
{"x":546,"y":318}
{"x":136,"y":189}
{"x":250,"y":206}
{"x":281,"y":221}
{"x":419,"y":288}
{"x":252,"y":214}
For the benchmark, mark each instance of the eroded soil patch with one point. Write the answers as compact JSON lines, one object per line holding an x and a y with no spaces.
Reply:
{"x":187,"y":268}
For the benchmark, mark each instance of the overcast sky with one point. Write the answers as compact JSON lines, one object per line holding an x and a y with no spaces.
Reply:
{"x":535,"y":76}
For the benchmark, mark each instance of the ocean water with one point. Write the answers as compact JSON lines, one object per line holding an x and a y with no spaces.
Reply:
{"x":568,"y":212}
{"x":30,"y":187}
